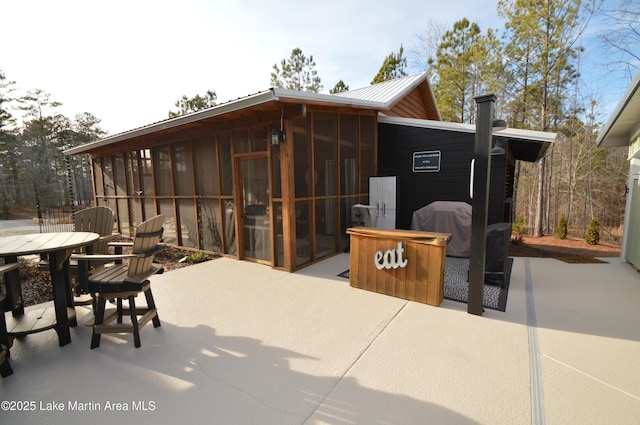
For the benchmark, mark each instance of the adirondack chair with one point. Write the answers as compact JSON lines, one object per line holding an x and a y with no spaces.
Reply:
{"x":5,"y":366}
{"x":97,"y":220}
{"x":126,"y":281}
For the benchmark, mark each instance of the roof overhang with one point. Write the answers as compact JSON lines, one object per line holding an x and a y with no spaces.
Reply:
{"x":272,"y":95}
{"x":378,"y":97}
{"x":243,"y":103}
{"x":624,"y":124}
{"x":525,"y":145}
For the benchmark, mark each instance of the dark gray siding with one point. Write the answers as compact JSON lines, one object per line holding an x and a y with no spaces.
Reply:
{"x":397,"y":144}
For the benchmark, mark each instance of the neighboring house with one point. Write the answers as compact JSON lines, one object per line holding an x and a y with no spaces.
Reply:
{"x":272,"y":177}
{"x":623,"y":129}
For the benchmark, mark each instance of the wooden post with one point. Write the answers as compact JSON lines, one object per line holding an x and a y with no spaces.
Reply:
{"x":480,"y":204}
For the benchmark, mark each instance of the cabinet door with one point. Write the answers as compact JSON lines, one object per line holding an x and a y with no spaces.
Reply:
{"x":375,"y":192}
{"x":382,"y":195}
{"x":389,"y":192}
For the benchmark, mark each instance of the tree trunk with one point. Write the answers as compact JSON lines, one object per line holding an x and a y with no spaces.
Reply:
{"x":514,"y":198}
{"x":537,"y":229}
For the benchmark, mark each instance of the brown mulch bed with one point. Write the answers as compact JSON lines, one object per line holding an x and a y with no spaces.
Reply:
{"x":550,"y":246}
{"x":36,"y":284}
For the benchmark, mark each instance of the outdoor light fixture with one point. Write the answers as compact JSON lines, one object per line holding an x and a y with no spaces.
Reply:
{"x":499,"y":124}
{"x":277,"y":136}
{"x":497,"y":148}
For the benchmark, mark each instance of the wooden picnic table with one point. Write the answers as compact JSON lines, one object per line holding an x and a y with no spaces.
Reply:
{"x":57,"y":247}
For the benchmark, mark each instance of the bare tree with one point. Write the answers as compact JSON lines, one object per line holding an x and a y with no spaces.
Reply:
{"x":427,"y":44}
{"x":621,"y":36}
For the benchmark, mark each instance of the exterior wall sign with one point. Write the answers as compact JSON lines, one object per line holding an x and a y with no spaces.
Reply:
{"x":391,"y":258}
{"x":426,"y":162}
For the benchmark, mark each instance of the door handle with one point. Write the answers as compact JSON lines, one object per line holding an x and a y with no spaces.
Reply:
{"x":473,"y":164}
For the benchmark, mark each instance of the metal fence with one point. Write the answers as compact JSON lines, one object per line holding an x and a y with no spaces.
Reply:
{"x":58,"y":218}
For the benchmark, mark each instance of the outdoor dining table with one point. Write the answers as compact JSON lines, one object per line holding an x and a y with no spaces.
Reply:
{"x":57,"y":248}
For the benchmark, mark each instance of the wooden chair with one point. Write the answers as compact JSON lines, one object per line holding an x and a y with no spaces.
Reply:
{"x":5,"y":366}
{"x":126,"y":281}
{"x":97,"y":220}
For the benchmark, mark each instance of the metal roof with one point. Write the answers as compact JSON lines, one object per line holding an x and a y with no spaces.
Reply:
{"x":528,"y":145}
{"x":378,"y":97}
{"x":223,"y":108}
{"x":624,"y":123}
{"x":387,"y":92}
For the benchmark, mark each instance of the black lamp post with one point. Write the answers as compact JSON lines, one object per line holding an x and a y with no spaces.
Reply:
{"x":482,"y":171}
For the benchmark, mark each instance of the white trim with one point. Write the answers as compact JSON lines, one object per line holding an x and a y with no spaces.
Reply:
{"x":511,"y":133}
{"x":607,"y":137}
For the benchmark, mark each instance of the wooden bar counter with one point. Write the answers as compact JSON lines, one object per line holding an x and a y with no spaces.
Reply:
{"x":403,"y":263}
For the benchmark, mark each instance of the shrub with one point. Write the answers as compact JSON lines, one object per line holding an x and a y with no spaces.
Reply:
{"x":197,"y":257}
{"x":518,"y":228}
{"x":561,"y":230}
{"x":6,"y":202}
{"x":592,"y":237}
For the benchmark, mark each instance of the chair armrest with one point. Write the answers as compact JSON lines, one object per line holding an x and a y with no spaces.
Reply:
{"x":101,"y":257}
{"x":120,"y":244}
{"x":5,"y":268}
{"x":113,"y":257}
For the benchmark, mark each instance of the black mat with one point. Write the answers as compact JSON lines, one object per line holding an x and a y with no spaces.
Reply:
{"x":456,"y":287}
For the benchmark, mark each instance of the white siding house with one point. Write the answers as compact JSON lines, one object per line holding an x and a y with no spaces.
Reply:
{"x":623,"y":129}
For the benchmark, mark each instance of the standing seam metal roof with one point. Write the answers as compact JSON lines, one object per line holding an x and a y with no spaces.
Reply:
{"x":387,"y":92}
{"x":379,"y":96}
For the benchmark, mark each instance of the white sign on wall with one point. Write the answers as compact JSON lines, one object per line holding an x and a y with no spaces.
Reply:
{"x":426,"y":162}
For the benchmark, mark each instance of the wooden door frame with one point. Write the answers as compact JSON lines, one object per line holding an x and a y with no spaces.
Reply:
{"x":239,"y":205}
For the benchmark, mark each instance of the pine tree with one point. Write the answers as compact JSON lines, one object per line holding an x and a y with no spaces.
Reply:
{"x":540,"y":50}
{"x":394,"y":66}
{"x":561,"y":231}
{"x":339,"y":87}
{"x":467,"y":64}
{"x":297,"y":73}
{"x":187,"y":105}
{"x":592,"y":237}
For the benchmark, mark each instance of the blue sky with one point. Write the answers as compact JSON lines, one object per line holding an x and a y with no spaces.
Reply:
{"x":127,"y":62}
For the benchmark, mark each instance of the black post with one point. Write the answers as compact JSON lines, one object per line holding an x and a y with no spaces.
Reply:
{"x":480,"y":204}
{"x":38,"y":208}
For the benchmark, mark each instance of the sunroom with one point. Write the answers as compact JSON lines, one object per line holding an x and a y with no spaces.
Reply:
{"x":269,"y":178}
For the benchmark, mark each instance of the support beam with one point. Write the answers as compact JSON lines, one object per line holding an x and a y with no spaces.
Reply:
{"x":482,"y":171}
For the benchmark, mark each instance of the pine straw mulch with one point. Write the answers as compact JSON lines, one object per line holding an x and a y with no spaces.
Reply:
{"x":550,"y":246}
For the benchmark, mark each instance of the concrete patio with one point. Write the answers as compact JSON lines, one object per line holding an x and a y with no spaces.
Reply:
{"x":241,"y":343}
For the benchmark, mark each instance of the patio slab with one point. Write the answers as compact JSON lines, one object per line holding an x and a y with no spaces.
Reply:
{"x":241,"y":343}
